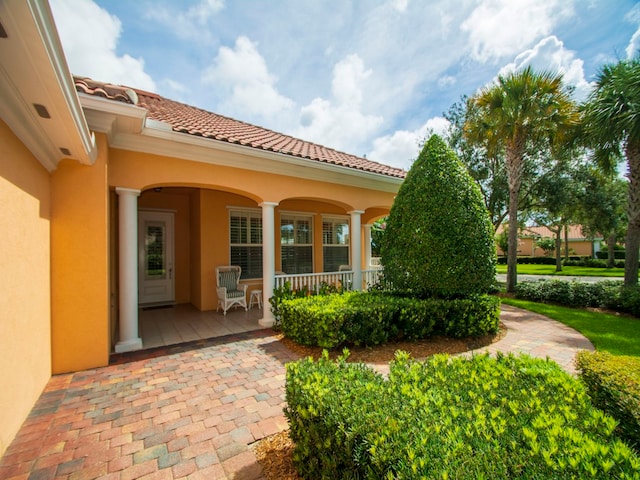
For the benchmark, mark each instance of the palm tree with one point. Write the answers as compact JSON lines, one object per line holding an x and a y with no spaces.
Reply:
{"x":520,"y":109}
{"x":612,"y":127}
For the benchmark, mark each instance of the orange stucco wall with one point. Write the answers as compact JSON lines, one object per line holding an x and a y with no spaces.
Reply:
{"x":25,"y":348}
{"x":202,"y":235}
{"x":527,"y":247}
{"x":80,"y":264}
{"x":213,"y":241}
{"x":141,"y":171}
{"x":215,"y":189}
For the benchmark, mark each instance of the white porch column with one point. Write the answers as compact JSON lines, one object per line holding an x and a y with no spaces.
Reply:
{"x":268,"y":261}
{"x":128,"y":265}
{"x":367,"y":246}
{"x":356,"y":249}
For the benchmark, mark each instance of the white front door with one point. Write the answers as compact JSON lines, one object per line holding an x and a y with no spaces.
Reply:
{"x":155,"y":257}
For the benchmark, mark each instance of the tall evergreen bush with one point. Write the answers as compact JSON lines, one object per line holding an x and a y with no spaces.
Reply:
{"x":439,"y":240}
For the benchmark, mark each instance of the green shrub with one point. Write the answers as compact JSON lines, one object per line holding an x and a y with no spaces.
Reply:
{"x":606,"y":294}
{"x":510,"y":417}
{"x":617,"y":254}
{"x":438,"y":239}
{"x":284,"y":292}
{"x":575,"y":261}
{"x":536,"y":260}
{"x":595,"y":263}
{"x":358,"y":318}
{"x":466,"y":317}
{"x":629,"y":300}
{"x":318,"y":395}
{"x":613,"y":383}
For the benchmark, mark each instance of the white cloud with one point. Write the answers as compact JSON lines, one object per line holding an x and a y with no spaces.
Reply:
{"x":89,"y":36}
{"x":402,"y":147}
{"x":243,"y":72}
{"x":498,"y":28}
{"x":187,"y":24}
{"x":175,"y":86}
{"x":446,"y":81}
{"x":633,"y":15}
{"x":348,"y":76}
{"x":400,"y":5}
{"x":340,"y":123}
{"x":633,"y":49}
{"x":550,"y":54}
{"x":203,"y":11}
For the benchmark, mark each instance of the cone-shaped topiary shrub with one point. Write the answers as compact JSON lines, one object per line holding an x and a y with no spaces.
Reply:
{"x":439,"y":240}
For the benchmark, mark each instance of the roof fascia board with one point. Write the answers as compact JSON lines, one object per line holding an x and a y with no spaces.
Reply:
{"x":111,"y":117}
{"x":34,"y":71}
{"x":51,"y":42}
{"x":104,"y":105}
{"x":19,"y":117}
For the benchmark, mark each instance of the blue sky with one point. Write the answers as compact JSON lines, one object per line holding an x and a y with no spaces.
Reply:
{"x":368,"y":77}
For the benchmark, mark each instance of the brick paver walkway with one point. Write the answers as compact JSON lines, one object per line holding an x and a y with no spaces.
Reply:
{"x":192,"y":411}
{"x":539,"y":336}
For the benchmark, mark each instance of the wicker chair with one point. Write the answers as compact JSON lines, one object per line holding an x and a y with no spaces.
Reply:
{"x":230,"y":292}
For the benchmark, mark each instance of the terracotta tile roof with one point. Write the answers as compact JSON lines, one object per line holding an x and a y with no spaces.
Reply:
{"x":195,"y":121}
{"x":105,"y":90}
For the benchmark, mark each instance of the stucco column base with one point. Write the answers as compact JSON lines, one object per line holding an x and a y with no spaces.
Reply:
{"x":266,"y":322}
{"x":129,"y":345}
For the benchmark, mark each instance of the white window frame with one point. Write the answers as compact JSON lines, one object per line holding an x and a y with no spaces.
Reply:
{"x":335,"y":220}
{"x":250,"y":214}
{"x":295,"y":217}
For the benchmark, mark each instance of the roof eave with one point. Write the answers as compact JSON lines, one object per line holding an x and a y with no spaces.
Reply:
{"x":120,"y":122}
{"x":33,"y":70}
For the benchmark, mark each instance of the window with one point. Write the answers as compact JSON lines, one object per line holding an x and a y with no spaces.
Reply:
{"x":335,"y":243}
{"x":296,"y":244}
{"x":245,"y":232}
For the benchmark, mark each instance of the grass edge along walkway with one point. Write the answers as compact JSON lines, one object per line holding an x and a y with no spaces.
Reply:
{"x":616,"y":334}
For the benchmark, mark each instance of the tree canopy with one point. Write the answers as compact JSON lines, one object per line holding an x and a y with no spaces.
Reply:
{"x":612,"y":128}
{"x":522,"y":108}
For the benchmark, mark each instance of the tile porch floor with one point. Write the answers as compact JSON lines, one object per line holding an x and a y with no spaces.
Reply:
{"x":163,"y":326}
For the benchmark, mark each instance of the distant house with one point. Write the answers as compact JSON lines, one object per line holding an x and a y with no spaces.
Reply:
{"x":113,"y":198}
{"x":529,"y":236}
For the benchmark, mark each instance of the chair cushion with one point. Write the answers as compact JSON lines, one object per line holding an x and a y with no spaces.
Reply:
{"x":229,"y":280}
{"x":235,"y":293}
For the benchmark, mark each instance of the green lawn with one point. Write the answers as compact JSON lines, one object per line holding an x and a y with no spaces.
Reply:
{"x":569,"y":271}
{"x":615,"y":334}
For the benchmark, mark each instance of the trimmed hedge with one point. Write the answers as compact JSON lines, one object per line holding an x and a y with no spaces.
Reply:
{"x":530,"y":260}
{"x":573,"y":261}
{"x":574,"y":294}
{"x":359,"y":318}
{"x":613,"y":383}
{"x":617,"y":254}
{"x":439,"y":239}
{"x":449,"y":417}
{"x":611,"y":294}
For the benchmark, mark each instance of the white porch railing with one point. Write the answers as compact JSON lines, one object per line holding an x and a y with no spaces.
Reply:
{"x":314,"y":281}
